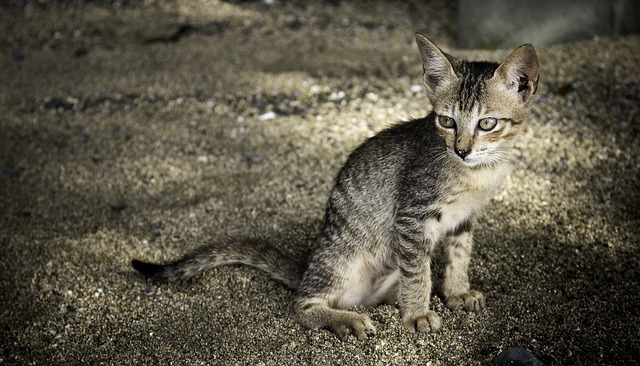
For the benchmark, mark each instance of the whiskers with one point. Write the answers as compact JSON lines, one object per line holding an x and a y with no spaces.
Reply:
{"x":440,"y":154}
{"x":496,"y":157}
{"x":484,"y":158}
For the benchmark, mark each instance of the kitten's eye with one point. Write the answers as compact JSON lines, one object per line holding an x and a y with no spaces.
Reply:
{"x":487,"y":124}
{"x":446,"y":122}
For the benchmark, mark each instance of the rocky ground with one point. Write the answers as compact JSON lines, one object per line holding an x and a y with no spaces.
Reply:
{"x":134,"y":129}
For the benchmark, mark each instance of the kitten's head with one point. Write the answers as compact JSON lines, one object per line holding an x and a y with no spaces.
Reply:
{"x":479,"y":106}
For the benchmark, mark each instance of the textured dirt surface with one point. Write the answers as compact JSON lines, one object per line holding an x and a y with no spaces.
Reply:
{"x":133,"y":129}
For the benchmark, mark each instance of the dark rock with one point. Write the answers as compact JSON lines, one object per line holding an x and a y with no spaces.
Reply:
{"x":119,"y":207}
{"x":14,"y":172}
{"x":18,"y":55}
{"x":516,"y":357}
{"x":79,"y":52}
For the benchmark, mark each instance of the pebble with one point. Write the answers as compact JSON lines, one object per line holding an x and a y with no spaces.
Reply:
{"x":18,"y":55}
{"x":371,"y":96}
{"x":267,"y":116}
{"x":416,"y":88}
{"x":14,"y":172}
{"x":254,"y":159}
{"x":516,"y":356}
{"x":337,"y":96}
{"x":315,"y":89}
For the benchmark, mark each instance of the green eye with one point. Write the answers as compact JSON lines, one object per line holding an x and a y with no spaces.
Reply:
{"x":487,"y":124}
{"x":446,"y":122}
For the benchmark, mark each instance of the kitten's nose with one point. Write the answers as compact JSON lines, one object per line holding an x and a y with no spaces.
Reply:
{"x":463,"y":153}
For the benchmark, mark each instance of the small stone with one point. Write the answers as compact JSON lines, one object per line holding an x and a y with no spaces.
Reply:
{"x":267,"y":116}
{"x":337,"y":96}
{"x":315,"y":89}
{"x":18,"y":55}
{"x":14,"y":172}
{"x":118,"y":207}
{"x":516,"y":357}
{"x":416,"y":88}
{"x":254,"y":159}
{"x":79,"y":52}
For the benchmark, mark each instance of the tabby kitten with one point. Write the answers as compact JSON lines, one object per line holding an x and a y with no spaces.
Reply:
{"x":399,"y":194}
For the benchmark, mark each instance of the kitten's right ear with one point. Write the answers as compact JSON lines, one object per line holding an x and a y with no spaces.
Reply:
{"x":437,"y":65}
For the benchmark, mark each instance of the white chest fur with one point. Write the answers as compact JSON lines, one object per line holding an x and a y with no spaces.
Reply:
{"x":466,"y":200}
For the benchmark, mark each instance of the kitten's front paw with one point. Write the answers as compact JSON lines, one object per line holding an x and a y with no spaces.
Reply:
{"x":428,"y":322}
{"x":471,"y":301}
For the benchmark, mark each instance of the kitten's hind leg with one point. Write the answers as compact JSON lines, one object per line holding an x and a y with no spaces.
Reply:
{"x":316,"y":315}
{"x":455,"y":287}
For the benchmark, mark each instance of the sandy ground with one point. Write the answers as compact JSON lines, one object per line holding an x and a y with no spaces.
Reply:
{"x":144,"y":130}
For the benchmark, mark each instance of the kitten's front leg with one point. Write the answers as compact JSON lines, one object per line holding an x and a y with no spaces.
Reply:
{"x":456,"y":288}
{"x":413,"y":255}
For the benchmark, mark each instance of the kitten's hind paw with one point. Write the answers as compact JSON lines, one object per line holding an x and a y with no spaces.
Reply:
{"x":426,"y":323}
{"x":470,"y":301}
{"x":359,"y":325}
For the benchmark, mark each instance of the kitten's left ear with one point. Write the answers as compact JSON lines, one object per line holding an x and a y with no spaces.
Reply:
{"x":520,"y":72}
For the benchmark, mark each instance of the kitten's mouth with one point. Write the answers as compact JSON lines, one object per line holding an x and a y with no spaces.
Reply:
{"x":472,"y":161}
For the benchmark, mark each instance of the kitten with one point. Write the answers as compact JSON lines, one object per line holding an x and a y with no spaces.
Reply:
{"x":399,"y":194}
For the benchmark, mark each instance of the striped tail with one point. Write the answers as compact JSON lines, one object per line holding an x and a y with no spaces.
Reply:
{"x":253,"y":252}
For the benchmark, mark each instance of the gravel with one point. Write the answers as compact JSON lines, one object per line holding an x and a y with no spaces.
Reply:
{"x":234,"y":120}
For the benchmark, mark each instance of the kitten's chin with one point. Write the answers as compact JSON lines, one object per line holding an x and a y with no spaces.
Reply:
{"x":471,"y":163}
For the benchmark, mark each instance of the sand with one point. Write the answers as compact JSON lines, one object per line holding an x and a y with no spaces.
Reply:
{"x":143,"y":129}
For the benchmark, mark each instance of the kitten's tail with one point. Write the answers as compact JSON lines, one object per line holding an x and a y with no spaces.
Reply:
{"x":253,"y":252}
